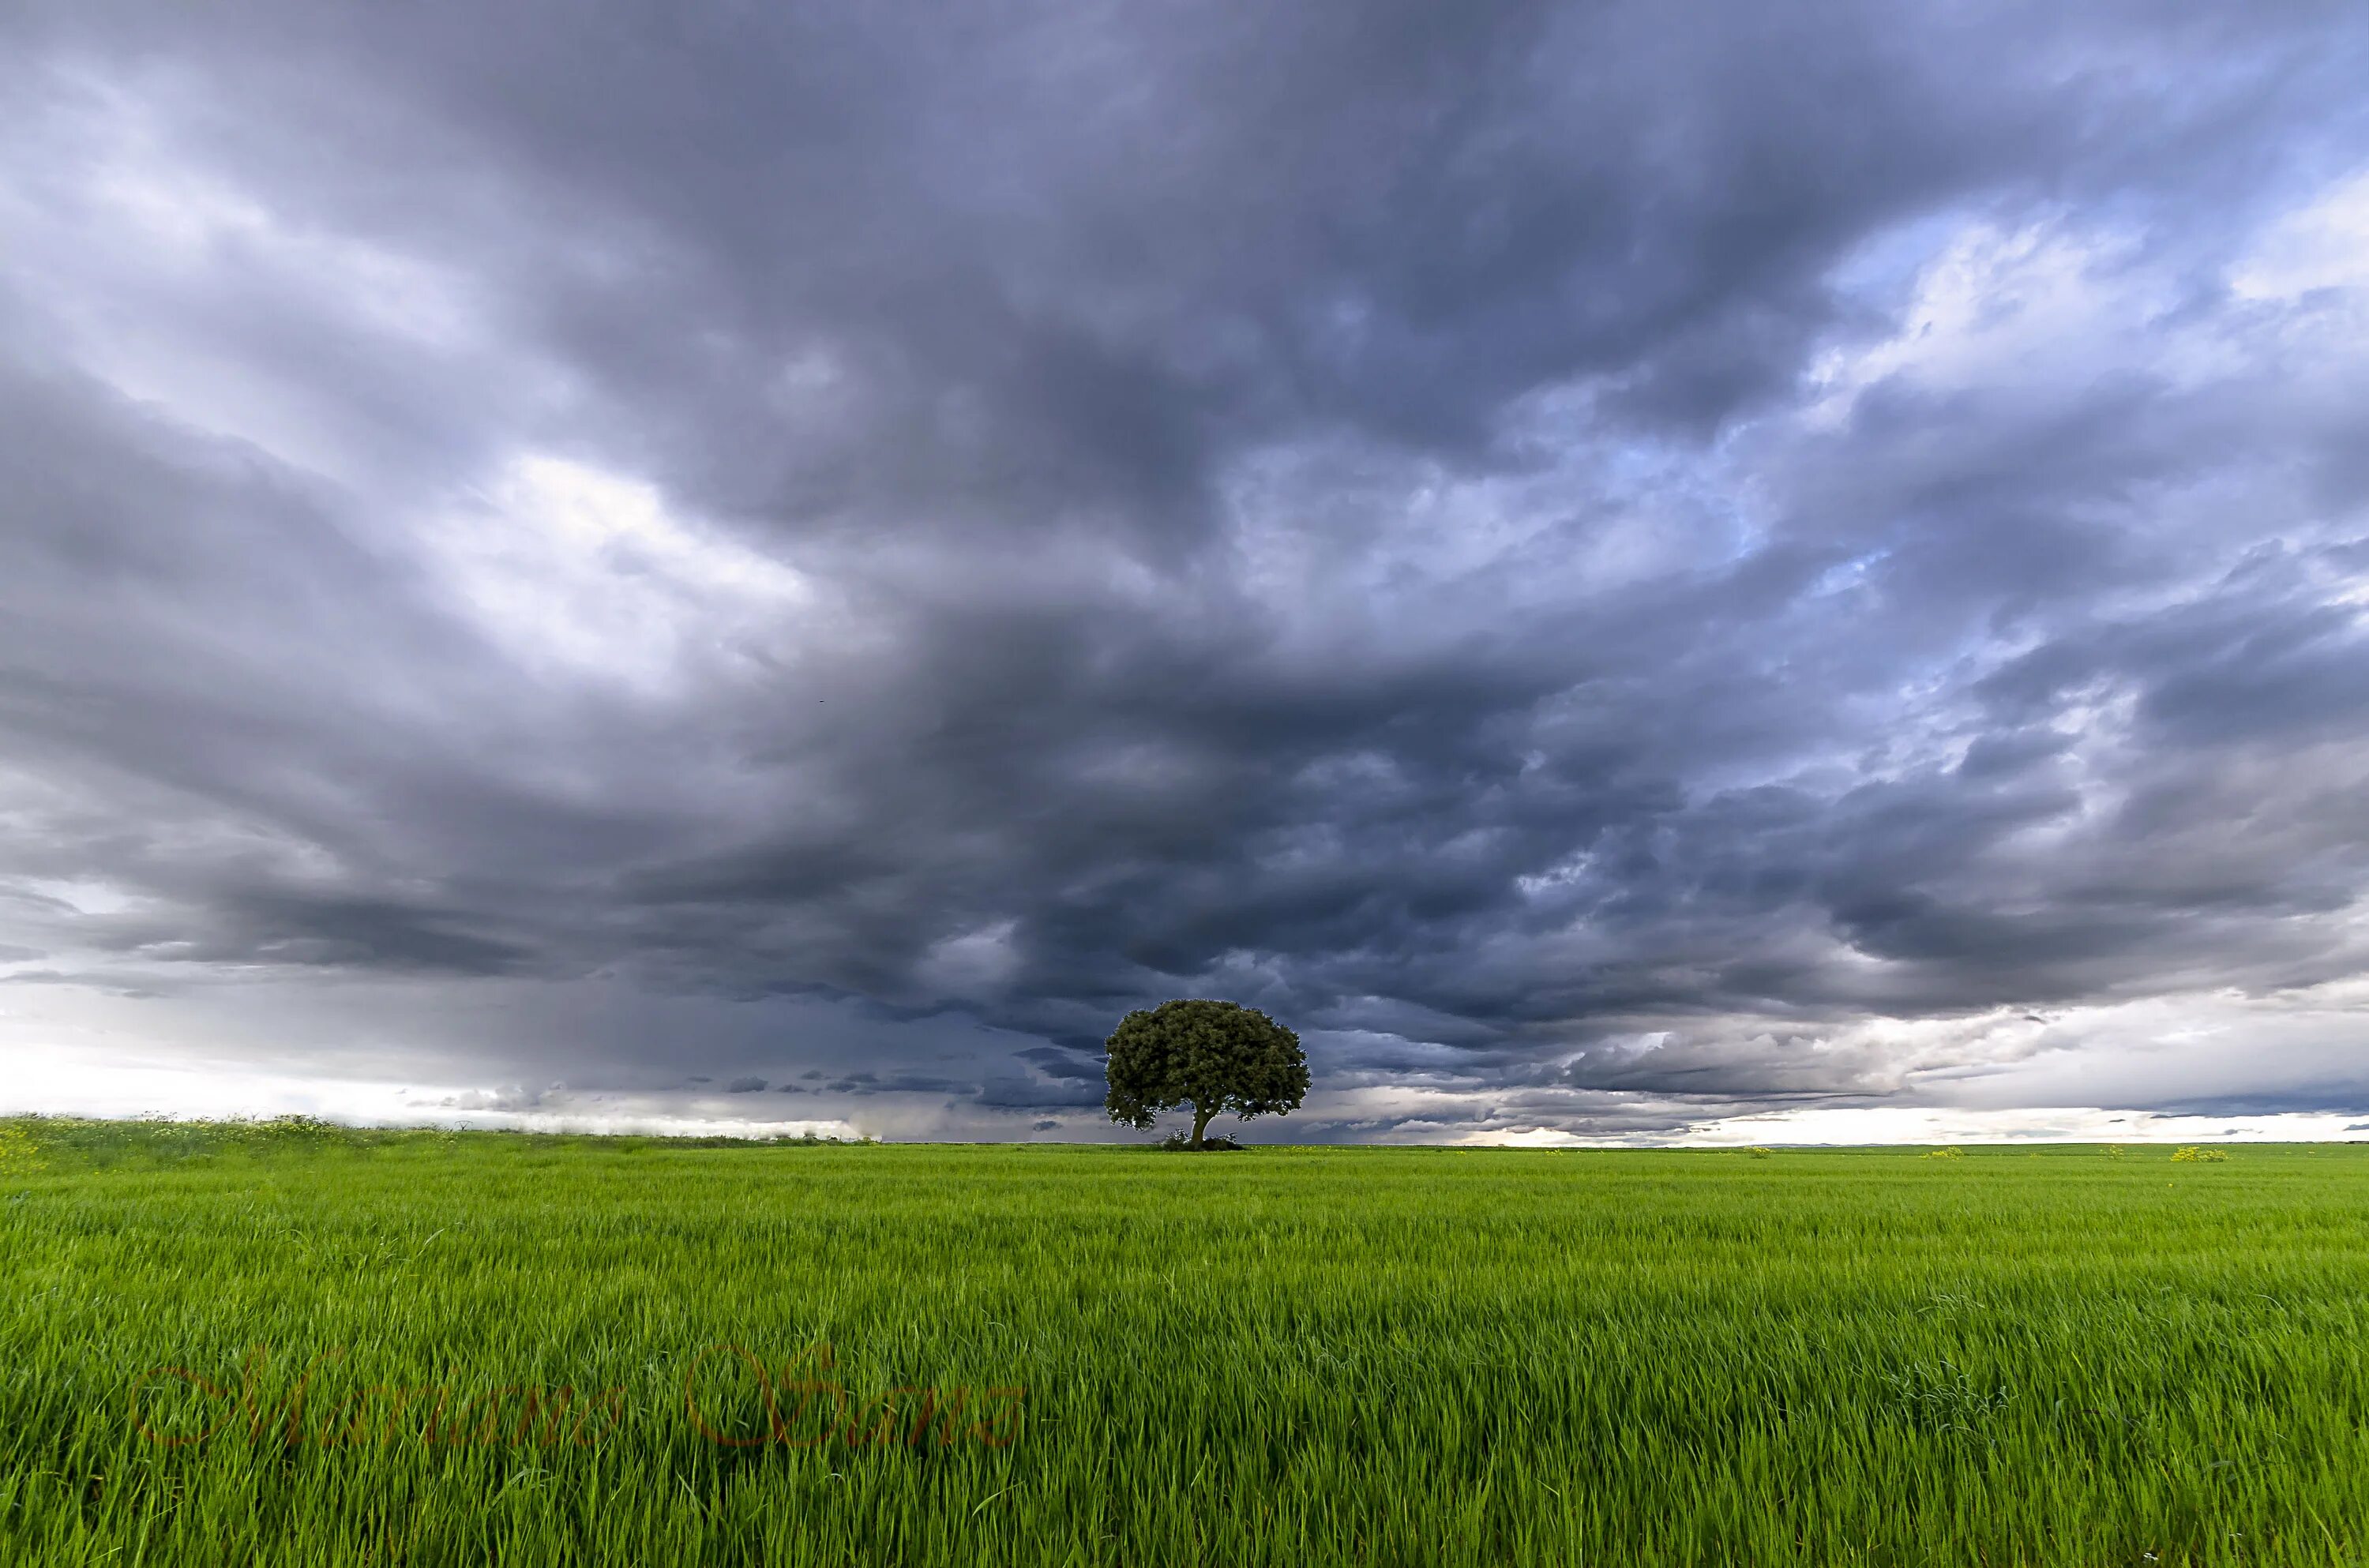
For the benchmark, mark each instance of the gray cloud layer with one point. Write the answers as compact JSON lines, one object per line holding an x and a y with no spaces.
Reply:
{"x":1592,"y":557}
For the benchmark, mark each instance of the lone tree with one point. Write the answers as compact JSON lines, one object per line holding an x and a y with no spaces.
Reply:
{"x":1212,"y":1056}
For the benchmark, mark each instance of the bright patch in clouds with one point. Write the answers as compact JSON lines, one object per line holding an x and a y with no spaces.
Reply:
{"x":83,"y":896}
{"x":1996,"y":305}
{"x":58,"y":1081}
{"x":1909,"y":1123}
{"x":582,"y":572}
{"x":2324,"y":245}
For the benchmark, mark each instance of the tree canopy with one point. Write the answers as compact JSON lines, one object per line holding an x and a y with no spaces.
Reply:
{"x":1211,"y":1055}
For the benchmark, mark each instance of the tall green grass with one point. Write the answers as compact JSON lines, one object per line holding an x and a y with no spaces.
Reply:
{"x":1284,"y":1355}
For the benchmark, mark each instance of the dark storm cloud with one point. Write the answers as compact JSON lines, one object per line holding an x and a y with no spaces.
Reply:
{"x":2337,"y":1099}
{"x":1021,"y":1094}
{"x":1456,"y":525}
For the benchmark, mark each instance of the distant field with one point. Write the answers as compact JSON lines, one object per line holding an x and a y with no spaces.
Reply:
{"x":1284,"y":1355}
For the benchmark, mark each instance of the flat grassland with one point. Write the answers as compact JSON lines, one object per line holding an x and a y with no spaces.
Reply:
{"x":287,"y":1343}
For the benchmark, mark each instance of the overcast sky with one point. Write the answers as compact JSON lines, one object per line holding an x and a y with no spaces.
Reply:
{"x":1643,"y":571}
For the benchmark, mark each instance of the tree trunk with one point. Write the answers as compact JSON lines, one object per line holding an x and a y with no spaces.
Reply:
{"x":1201,"y":1115}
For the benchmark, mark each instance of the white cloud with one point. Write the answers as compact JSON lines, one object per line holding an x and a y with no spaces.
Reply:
{"x":2043,"y":302}
{"x":1927,"y":1124}
{"x":584,"y":573}
{"x":2322,"y":245}
{"x":57,"y":1080}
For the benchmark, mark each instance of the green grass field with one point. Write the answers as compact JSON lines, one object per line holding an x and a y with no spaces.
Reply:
{"x":1289,"y":1355}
